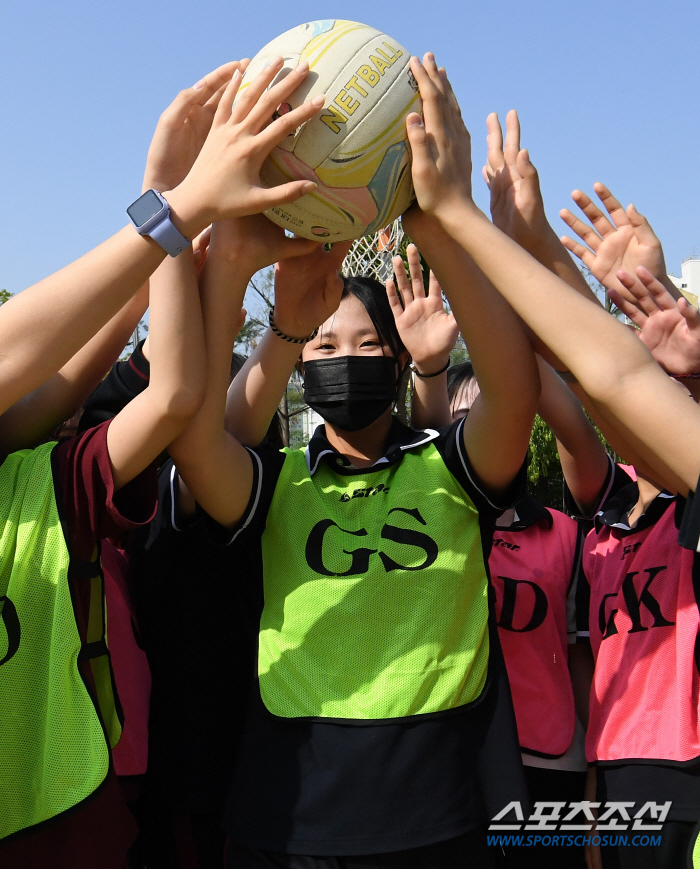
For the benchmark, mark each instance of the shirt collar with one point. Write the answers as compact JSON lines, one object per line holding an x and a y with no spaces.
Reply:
{"x":528,"y":512}
{"x":400,"y":439}
{"x":617,"y":509}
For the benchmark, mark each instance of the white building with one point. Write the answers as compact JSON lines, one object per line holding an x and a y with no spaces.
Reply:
{"x":689,"y":282}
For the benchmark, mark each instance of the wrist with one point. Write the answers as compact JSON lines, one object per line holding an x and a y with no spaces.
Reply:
{"x":291,"y":336}
{"x":427,"y":368}
{"x":454,"y":216}
{"x":184,"y":213}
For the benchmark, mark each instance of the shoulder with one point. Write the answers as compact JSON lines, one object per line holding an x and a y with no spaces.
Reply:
{"x":449,"y":442}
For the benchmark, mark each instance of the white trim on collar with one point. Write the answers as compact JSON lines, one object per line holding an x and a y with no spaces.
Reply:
{"x":430,"y":433}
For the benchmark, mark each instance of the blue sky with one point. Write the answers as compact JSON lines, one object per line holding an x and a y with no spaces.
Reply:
{"x":604,"y":90}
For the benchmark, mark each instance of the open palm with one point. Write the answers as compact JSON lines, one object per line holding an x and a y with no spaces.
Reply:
{"x":670,"y":328}
{"x":428,"y":332}
{"x":624,"y":240}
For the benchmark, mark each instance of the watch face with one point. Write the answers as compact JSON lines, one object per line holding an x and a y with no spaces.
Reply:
{"x":145,"y":207}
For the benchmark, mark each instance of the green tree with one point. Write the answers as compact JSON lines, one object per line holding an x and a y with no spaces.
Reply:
{"x":5,"y":296}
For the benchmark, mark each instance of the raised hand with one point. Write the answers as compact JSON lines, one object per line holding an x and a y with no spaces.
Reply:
{"x":183,"y":128}
{"x":426,"y":329}
{"x":517,"y":207}
{"x":623,"y":240}
{"x":308,"y":289}
{"x":225,"y":178}
{"x":670,"y":328}
{"x":440,"y":143}
{"x":254,"y":242}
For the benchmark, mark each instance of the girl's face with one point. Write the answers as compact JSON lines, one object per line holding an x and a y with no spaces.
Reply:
{"x":349,"y":332}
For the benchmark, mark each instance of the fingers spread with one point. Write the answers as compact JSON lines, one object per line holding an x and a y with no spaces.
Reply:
{"x":211,"y":83}
{"x":393,"y":297}
{"x":640,"y":289}
{"x":593,"y":213}
{"x":630,"y":311}
{"x":415,"y":270}
{"x":434,"y":288}
{"x":583,"y":253}
{"x":225,"y":107}
{"x":282,"y":86}
{"x":288,"y":123}
{"x":404,"y":287}
{"x":612,"y":206}
{"x":249,"y":95}
{"x":582,"y":230}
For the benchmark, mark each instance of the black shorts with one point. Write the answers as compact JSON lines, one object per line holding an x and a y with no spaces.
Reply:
{"x":468,"y":850}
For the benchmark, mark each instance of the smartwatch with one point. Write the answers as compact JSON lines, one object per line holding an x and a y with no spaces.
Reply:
{"x":150,"y":214}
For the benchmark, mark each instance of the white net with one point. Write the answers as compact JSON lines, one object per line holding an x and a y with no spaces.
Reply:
{"x":371,"y":254}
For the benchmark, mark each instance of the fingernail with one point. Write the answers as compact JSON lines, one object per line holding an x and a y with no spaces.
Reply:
{"x":200,"y":84}
{"x":318,"y":101}
{"x":415,"y":121}
{"x":309,"y":187}
{"x":303,"y":66}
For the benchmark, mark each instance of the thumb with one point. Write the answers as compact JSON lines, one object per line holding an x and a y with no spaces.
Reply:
{"x":642,"y":229}
{"x":418,"y":140}
{"x":689,"y":313}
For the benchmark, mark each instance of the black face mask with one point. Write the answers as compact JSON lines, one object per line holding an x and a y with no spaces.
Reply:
{"x":350,"y":392}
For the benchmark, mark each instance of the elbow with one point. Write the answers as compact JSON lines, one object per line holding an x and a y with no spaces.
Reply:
{"x":183,"y":403}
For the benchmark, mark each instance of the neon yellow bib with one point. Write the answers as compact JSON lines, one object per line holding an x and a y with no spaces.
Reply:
{"x":376,"y":601}
{"x":53,"y":750}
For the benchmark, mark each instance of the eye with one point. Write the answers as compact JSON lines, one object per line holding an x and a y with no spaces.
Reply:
{"x":370,"y":342}
{"x":325,"y":346}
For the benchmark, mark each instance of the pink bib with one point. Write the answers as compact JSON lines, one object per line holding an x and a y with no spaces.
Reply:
{"x":644,"y":626}
{"x":531,"y":571}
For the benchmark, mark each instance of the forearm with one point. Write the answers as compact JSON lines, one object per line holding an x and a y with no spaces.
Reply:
{"x":552,"y":309}
{"x":548,"y":250}
{"x":47,"y":324}
{"x":492,"y":332}
{"x":207,"y":458}
{"x":255,"y":393}
{"x":583,"y":457}
{"x":147,"y":425}
{"x":630,"y":447}
{"x":610,"y":363}
{"x":35,"y":415}
{"x":430,"y":405}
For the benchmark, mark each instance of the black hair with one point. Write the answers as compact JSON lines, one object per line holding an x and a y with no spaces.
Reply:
{"x":374,"y":300}
{"x":461,"y":376}
{"x":238,"y":360}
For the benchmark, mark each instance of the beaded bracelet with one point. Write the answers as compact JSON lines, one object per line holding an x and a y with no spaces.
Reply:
{"x":427,"y":376}
{"x":288,"y":338}
{"x":685,"y":376}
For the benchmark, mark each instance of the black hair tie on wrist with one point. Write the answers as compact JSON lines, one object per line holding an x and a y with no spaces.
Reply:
{"x":427,"y":376}
{"x":288,"y":338}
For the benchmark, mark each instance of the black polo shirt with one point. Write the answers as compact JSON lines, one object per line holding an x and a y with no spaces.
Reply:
{"x":307,"y":787}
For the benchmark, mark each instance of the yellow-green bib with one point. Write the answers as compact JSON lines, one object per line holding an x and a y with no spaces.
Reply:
{"x":53,"y":749}
{"x":376,"y":603}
